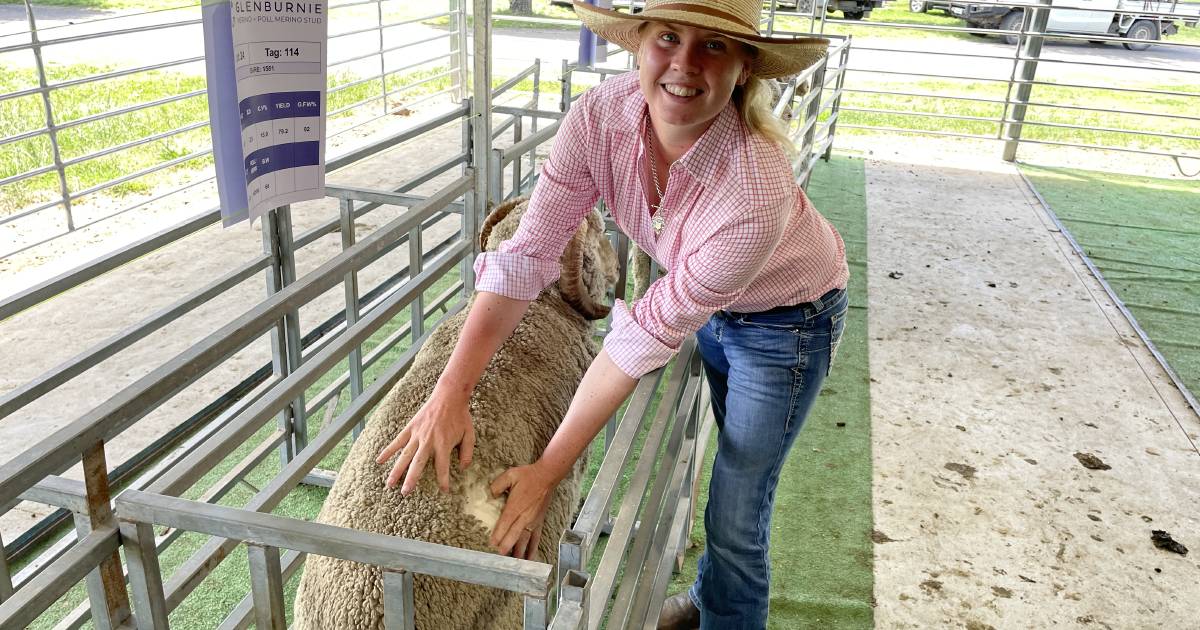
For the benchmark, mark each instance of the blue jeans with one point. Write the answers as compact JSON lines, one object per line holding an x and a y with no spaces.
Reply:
{"x":764,"y":373}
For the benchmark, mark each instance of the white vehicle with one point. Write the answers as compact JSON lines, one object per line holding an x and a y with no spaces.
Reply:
{"x":1118,"y":18}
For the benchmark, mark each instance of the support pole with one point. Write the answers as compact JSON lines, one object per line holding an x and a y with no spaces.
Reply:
{"x":145,"y":576}
{"x":106,"y":584}
{"x":481,"y":131}
{"x":266,"y":585}
{"x":51,"y":130}
{"x":1029,"y":49}
{"x":398,"y":610}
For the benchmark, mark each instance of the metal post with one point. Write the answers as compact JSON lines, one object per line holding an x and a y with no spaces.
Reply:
{"x":398,"y":610}
{"x":106,"y":584}
{"x":537,"y":99}
{"x":287,"y":251}
{"x":266,"y":585}
{"x":36,"y":47}
{"x":564,"y":103}
{"x":811,"y":116}
{"x":481,"y":120}
{"x":496,"y":175}
{"x":570,"y":553}
{"x":145,"y":576}
{"x":516,"y":165}
{"x":836,"y":105}
{"x":382,"y":64}
{"x":1029,"y":49}
{"x":458,"y":45}
{"x":537,"y":612}
{"x":6,"y":585}
{"x":771,"y":18}
{"x":278,"y":335}
{"x":351,"y":290}
{"x":416,"y":308}
{"x":101,"y":614}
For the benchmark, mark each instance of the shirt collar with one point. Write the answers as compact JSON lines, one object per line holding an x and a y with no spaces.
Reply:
{"x":703,"y":160}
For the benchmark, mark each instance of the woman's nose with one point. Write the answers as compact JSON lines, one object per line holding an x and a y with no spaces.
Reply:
{"x":685,"y":60}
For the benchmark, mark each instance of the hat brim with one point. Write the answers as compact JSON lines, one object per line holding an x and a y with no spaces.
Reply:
{"x":777,"y":56}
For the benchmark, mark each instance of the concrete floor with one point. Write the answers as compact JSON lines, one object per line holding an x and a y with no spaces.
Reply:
{"x":995,"y":360}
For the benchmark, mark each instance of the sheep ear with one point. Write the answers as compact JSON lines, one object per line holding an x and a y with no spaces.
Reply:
{"x":497,"y":215}
{"x":571,"y":284}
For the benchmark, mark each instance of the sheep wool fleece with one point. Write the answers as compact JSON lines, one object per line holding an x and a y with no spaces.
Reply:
{"x":517,"y":405}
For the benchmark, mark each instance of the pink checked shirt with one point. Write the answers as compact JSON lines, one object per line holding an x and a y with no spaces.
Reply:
{"x":740,"y":235}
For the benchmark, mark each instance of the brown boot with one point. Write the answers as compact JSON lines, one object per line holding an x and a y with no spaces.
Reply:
{"x":679,"y":613}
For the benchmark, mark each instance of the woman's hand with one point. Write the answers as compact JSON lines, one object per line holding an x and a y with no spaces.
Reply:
{"x":519,"y":529}
{"x":438,"y":427}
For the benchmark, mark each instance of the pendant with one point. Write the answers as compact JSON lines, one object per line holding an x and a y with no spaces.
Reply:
{"x":658,"y":223}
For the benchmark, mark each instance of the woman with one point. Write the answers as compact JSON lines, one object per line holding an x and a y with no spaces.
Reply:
{"x":691,"y":163}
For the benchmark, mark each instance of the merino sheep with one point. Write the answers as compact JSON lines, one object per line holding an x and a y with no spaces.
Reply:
{"x":516,"y":407}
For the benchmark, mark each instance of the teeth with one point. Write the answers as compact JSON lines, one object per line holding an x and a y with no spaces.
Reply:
{"x":679,"y":90}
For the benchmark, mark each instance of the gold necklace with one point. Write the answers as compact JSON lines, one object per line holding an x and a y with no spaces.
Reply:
{"x":657,"y":221}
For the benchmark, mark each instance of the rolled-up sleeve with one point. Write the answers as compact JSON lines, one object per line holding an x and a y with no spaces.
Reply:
{"x":565,"y":193}
{"x":648,"y":333}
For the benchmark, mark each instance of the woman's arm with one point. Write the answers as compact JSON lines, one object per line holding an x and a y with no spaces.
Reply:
{"x":603,"y":388}
{"x":444,"y":421}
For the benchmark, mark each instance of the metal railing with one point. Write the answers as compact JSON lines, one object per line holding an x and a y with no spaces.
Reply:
{"x":273,"y":414}
{"x":1018,"y":116}
{"x":345,"y":74}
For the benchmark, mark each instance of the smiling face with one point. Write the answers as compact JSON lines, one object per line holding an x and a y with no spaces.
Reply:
{"x":688,"y":74}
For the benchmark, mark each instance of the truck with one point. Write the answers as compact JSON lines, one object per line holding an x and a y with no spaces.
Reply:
{"x":851,"y":9}
{"x":1133,"y":20}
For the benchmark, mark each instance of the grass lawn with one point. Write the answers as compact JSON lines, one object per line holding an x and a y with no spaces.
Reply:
{"x":1142,"y":234}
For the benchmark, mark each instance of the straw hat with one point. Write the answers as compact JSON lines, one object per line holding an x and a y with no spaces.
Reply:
{"x":736,"y":19}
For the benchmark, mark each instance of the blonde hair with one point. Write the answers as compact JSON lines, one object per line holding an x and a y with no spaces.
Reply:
{"x":754,"y":101}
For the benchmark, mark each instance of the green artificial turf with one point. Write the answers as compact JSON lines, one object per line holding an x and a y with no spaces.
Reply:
{"x":1143,"y":234}
{"x":821,"y":550}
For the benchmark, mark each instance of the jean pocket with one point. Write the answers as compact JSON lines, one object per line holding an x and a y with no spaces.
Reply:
{"x":837,"y":326}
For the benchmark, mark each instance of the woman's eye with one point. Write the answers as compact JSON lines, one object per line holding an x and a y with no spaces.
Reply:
{"x":716,"y":45}
{"x":669,"y":37}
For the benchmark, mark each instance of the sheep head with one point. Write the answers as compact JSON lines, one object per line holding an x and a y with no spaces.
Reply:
{"x":589,"y":264}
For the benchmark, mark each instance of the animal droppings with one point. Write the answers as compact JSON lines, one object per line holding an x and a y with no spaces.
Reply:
{"x":1163,"y":540}
{"x":1091,"y":462}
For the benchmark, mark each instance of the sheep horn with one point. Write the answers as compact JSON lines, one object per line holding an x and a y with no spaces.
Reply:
{"x":497,"y":215}
{"x":571,"y":284}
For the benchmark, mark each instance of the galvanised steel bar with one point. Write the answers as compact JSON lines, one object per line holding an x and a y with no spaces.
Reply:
{"x":1123,"y":112}
{"x":598,"y":502}
{"x":835,"y":105}
{"x":202,"y":562}
{"x":48,"y":112}
{"x":898,"y":112}
{"x":975,"y":99}
{"x":266,"y":584}
{"x":571,"y":613}
{"x":928,"y":132}
{"x":240,"y":617}
{"x":388,"y":552}
{"x":293,"y":333}
{"x":1097,"y":64}
{"x":80,"y":363}
{"x":627,"y":515}
{"x":109,"y":578}
{"x":6,"y":583}
{"x":1112,"y":148}
{"x":1151,"y":134}
{"x":59,"y":492}
{"x":1029,"y":49}
{"x":398,"y":610}
{"x":56,"y":452}
{"x":355,"y":155}
{"x":656,"y":593}
{"x":98,"y":610}
{"x":335,"y":388}
{"x":481,"y":132}
{"x":350,"y":289}
{"x":188,"y":471}
{"x":415,"y":265}
{"x":145,"y":576}
{"x":280,"y":366}
{"x":515,"y":151}
{"x":672,"y":464}
{"x":27,"y":603}
{"x":929,"y":75}
{"x":142,"y":173}
{"x":813,"y":111}
{"x":1084,"y":86}
{"x":537,"y":612}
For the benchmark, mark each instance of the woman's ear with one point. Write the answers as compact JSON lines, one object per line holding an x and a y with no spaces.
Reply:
{"x":745,"y":73}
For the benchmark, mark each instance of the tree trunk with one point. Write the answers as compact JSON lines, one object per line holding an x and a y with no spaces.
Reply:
{"x":521,"y":7}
